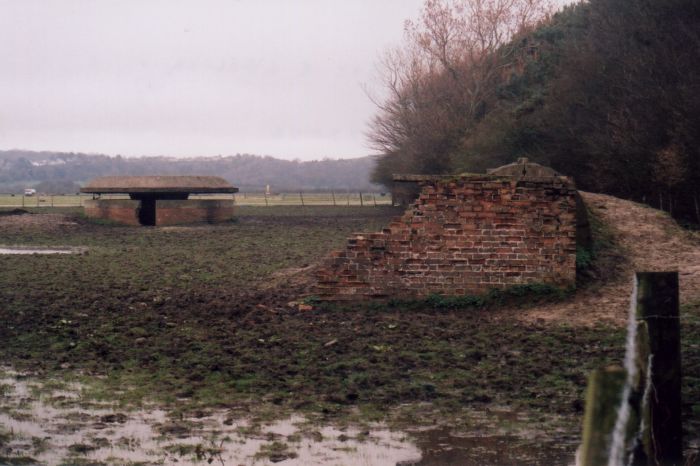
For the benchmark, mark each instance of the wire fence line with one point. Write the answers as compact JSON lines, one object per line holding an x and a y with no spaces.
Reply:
{"x":298,"y":198}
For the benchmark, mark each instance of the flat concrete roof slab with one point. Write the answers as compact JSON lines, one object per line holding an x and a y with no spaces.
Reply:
{"x":158,"y":184}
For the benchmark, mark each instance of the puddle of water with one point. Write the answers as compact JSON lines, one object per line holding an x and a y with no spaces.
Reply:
{"x":53,"y":424}
{"x":34,"y":250}
{"x":56,"y":426}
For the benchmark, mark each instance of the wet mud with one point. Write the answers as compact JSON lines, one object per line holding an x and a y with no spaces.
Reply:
{"x":186,"y":324}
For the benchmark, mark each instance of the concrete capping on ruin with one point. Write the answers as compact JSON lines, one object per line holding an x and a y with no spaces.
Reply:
{"x":403,"y":177}
{"x":465,"y":234}
{"x":523,"y":169}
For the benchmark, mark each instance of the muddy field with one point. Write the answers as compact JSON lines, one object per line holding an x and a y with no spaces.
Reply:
{"x":197,"y":321}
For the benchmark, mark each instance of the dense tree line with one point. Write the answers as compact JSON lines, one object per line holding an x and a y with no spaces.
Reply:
{"x":62,"y":172}
{"x":607,"y":91}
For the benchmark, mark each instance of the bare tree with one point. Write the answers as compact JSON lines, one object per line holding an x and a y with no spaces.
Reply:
{"x":439,"y":82}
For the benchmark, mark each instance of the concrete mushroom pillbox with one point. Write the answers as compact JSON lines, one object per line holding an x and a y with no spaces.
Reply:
{"x":160,"y":200}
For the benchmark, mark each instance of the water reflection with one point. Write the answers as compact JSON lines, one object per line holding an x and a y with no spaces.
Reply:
{"x":52,"y":424}
{"x":56,"y":427}
{"x":23,"y":250}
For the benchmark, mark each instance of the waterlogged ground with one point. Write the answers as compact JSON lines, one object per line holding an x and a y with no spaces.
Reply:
{"x":191,"y":327}
{"x":28,"y":250}
{"x":54,"y":423}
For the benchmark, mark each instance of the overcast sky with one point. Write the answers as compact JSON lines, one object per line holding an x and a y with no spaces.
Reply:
{"x":187,"y":78}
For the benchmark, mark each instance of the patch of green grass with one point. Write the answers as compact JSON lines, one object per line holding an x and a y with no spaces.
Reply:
{"x":105,"y":222}
{"x":584,"y":258}
{"x":40,"y":445}
{"x":275,"y":452}
{"x":77,"y":461}
{"x":17,"y":460}
{"x":197,"y":451}
{"x":517,"y":295}
{"x":602,"y":235}
{"x":598,"y":261}
{"x":5,"y":437}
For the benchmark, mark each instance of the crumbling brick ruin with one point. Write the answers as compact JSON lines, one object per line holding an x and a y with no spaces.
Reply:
{"x":463,"y":235}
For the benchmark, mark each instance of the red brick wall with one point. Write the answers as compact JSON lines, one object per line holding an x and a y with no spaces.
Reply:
{"x":118,"y":210}
{"x":463,"y":236}
{"x":177,"y":212}
{"x":168,"y":212}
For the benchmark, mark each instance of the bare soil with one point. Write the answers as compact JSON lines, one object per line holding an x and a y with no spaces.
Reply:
{"x":22,"y":220}
{"x":199,"y":317}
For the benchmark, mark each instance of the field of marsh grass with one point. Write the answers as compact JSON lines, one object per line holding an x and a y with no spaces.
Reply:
{"x":197,"y":318}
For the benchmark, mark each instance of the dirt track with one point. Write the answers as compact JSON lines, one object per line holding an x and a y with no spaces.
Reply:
{"x":650,"y":241}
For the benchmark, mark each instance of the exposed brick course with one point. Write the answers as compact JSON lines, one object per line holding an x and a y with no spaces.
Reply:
{"x":168,"y":211}
{"x":118,"y":210}
{"x":462,"y":236}
{"x":177,"y":212}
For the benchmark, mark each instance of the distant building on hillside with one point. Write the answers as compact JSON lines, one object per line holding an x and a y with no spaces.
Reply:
{"x":159,"y":200}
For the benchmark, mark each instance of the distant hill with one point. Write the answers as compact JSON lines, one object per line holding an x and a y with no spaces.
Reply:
{"x":61,"y":172}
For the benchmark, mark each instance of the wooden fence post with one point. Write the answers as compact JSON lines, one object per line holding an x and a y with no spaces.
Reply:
{"x":333,"y":194}
{"x":659,"y":360}
{"x":362,"y":204}
{"x":266,"y":204}
{"x":301,"y":196}
{"x":650,"y":432}
{"x":603,"y":396}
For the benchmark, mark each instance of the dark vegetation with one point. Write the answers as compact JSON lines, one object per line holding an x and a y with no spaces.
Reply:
{"x":60,"y":173}
{"x":606,"y":91}
{"x":530,"y":294}
{"x":602,"y":259}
